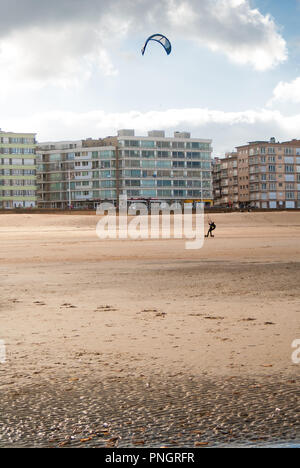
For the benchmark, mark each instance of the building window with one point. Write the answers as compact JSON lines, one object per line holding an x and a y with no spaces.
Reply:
{"x":289,"y":168}
{"x":289,"y":160}
{"x":147,"y":144}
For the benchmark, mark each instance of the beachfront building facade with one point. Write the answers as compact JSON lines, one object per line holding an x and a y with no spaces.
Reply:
{"x":260,"y":174}
{"x":172,"y":169}
{"x":216,"y":178}
{"x":17,"y":170}
{"x":225,"y":181}
{"x":83,"y":173}
{"x":77,"y":174}
{"x":269,"y":174}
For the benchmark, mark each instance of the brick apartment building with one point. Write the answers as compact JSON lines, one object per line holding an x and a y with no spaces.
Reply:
{"x":264,"y":174}
{"x":225,"y":181}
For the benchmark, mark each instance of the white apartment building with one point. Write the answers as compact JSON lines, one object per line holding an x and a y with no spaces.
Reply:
{"x":148,"y":168}
{"x":156,"y":167}
{"x":76,"y":174}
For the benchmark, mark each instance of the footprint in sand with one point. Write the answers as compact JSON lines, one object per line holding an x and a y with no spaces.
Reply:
{"x":214,"y":318}
{"x":105,"y":308}
{"x":149,"y":310}
{"x":155,"y":311}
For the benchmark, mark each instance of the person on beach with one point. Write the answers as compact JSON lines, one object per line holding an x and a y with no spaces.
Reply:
{"x":212,"y":227}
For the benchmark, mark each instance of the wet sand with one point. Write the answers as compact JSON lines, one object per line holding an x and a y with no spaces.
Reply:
{"x":156,"y":412}
{"x":99,"y":332}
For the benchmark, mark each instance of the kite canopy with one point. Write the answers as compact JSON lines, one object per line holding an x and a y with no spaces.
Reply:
{"x":163,"y":40}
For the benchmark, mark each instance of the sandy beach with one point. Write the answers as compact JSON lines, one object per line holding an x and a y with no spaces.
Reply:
{"x":77,"y":313}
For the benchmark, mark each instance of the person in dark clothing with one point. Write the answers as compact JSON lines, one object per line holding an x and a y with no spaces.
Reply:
{"x":212,"y":227}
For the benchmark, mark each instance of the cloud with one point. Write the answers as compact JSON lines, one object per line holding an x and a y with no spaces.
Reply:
{"x":62,"y":56}
{"x":232,"y":27}
{"x":286,"y":92}
{"x":225,"y":128}
{"x":61,"y":42}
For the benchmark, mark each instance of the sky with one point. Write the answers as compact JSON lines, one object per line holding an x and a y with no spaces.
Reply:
{"x":73,"y":69}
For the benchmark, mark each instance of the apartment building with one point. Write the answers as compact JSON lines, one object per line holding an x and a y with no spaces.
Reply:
{"x":269,"y":174}
{"x":225,"y":181}
{"x":216,"y":178}
{"x":17,"y":170}
{"x":144,"y":168}
{"x":77,"y":174}
{"x":166,"y":168}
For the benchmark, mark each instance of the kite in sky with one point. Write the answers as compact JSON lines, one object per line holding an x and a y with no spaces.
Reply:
{"x":163,"y":40}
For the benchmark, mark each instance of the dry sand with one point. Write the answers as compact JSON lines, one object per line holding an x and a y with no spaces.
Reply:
{"x":74,"y":306}
{"x":144,"y":343}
